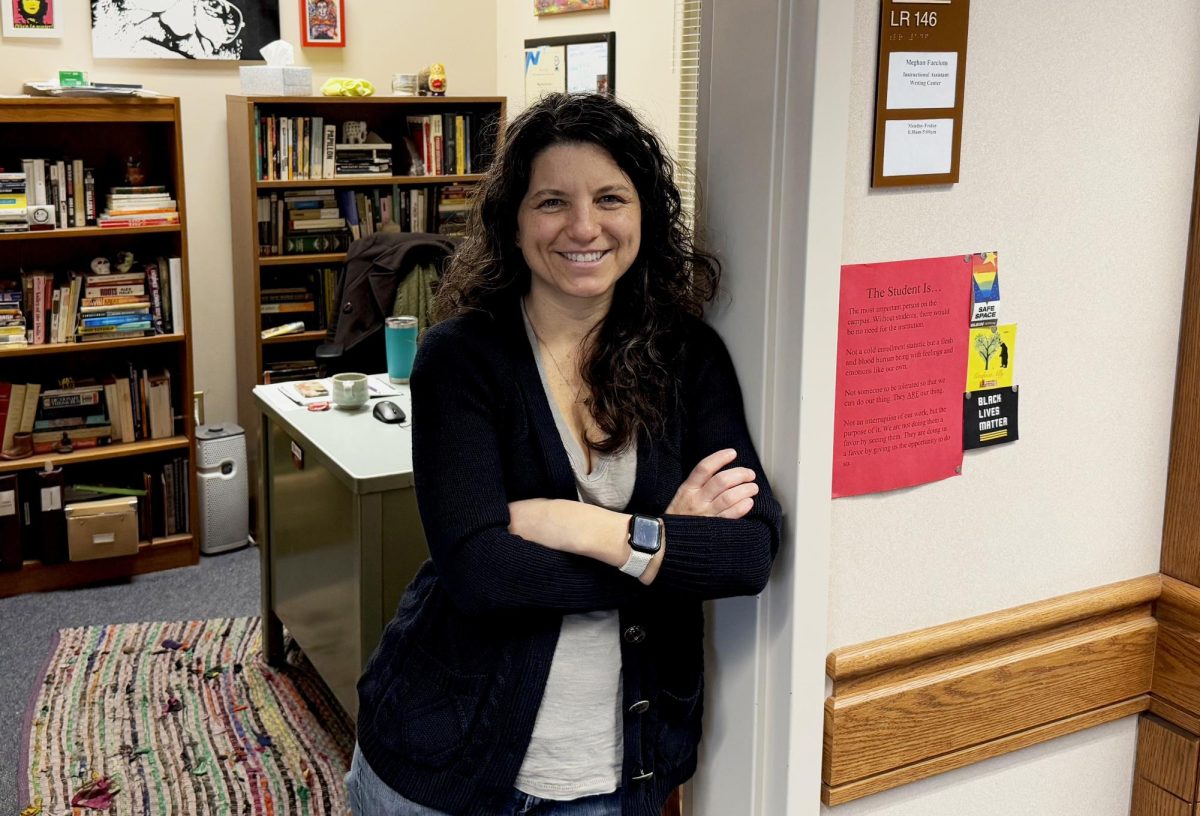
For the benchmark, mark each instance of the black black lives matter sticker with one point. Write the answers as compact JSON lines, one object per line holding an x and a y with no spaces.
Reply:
{"x":989,"y":417}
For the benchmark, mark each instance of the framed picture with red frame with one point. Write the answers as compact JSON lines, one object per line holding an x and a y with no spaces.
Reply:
{"x":323,"y":23}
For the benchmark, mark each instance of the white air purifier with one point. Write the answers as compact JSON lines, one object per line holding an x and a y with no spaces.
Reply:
{"x":224,"y":495}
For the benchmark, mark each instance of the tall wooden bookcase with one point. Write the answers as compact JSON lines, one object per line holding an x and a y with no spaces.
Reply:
{"x":103,"y":133}
{"x":387,"y":117}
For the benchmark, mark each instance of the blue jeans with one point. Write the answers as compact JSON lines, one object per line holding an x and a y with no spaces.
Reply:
{"x":368,"y":795}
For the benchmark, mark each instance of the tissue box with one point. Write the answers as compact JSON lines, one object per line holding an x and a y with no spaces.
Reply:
{"x":102,"y":529}
{"x":276,"y":80}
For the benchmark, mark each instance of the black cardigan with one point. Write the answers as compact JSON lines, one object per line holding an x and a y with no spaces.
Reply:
{"x":448,"y":699}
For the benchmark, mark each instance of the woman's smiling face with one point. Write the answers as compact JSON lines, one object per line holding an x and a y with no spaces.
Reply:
{"x":580,"y":223}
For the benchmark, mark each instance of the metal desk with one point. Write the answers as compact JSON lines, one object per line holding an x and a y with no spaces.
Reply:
{"x":339,"y":534}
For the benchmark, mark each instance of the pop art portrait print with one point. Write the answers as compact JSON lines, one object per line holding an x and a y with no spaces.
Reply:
{"x":31,"y":18}
{"x":322,"y":23}
{"x":183,"y":29}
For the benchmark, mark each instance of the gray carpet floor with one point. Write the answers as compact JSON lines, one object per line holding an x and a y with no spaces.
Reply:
{"x":225,"y":585}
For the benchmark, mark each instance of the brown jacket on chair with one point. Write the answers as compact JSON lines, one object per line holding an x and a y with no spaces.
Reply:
{"x":366,"y":290}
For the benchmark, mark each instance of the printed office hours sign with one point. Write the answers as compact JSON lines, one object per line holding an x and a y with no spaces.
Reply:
{"x":919,"y":96}
{"x":989,"y":417}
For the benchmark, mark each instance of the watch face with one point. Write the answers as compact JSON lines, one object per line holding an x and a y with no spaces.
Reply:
{"x":644,"y":534}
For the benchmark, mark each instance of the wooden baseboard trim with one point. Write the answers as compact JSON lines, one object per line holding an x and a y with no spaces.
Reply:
{"x":925,"y":702}
{"x":922,"y":644}
{"x":967,"y":756}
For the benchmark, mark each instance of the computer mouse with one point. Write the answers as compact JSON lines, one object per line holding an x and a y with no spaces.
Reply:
{"x":388,"y":411}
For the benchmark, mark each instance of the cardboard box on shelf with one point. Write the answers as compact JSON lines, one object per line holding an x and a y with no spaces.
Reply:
{"x":102,"y":529}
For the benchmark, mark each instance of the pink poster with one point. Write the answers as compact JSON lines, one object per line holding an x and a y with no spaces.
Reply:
{"x":902,"y":357}
{"x":33,"y":13}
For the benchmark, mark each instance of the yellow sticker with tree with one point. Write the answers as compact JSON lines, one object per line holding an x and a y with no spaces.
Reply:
{"x":992,"y":353}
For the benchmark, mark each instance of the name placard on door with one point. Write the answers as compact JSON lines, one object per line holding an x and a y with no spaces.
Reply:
{"x":919,"y":97}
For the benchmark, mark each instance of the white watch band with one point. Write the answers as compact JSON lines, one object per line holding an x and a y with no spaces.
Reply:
{"x":637,"y":563}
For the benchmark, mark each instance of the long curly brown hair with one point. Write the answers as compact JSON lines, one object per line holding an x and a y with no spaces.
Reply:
{"x":628,"y":368}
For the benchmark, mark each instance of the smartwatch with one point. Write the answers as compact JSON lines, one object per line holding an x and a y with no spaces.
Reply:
{"x":645,"y":540}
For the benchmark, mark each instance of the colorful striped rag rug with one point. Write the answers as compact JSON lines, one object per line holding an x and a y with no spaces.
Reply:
{"x":181,"y":718}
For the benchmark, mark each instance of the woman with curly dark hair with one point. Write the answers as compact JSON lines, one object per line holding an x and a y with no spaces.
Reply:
{"x":585,"y":479}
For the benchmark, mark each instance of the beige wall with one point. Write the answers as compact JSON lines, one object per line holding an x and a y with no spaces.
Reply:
{"x":1077,"y":165}
{"x":392,"y":37}
{"x":480,"y":42}
{"x":646,"y":75}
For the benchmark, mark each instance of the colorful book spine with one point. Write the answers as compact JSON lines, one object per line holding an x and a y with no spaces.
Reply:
{"x":156,"y":309}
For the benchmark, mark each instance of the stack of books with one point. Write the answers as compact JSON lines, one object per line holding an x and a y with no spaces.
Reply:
{"x":64,"y":185}
{"x":12,"y":318}
{"x":362,"y":160}
{"x":115,"y":307}
{"x":293,"y":147}
{"x":454,"y":202}
{"x":278,"y":371}
{"x":78,"y":413}
{"x":63,"y":303}
{"x":141,"y":404}
{"x":173,"y":498}
{"x":13,"y":203}
{"x":43,"y":306}
{"x":450,"y":144}
{"x":287,"y":305}
{"x":301,"y":222}
{"x":147,"y":206}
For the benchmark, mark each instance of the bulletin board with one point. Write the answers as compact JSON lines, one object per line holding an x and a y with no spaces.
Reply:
{"x":581,"y":63}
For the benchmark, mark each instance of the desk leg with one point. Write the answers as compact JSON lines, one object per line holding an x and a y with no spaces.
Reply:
{"x":272,"y":628}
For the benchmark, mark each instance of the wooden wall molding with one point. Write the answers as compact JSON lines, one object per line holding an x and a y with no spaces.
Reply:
{"x":922,"y":703}
{"x":1177,"y":658}
{"x":1181,"y":533}
{"x":911,"y":647}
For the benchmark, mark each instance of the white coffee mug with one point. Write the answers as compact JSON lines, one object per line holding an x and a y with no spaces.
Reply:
{"x":350,"y":390}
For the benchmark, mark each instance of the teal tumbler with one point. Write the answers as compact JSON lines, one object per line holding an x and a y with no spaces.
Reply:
{"x":400,"y":334}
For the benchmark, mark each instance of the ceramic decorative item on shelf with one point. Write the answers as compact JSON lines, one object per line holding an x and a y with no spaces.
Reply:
{"x":135,"y":176}
{"x":21,"y":447}
{"x":433,"y":80}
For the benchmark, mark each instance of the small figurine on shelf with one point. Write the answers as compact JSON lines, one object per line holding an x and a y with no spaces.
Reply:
{"x":354,"y":132}
{"x":124,"y":262}
{"x":135,"y":176}
{"x":432,"y":80}
{"x":64,"y":445}
{"x":101,"y":266}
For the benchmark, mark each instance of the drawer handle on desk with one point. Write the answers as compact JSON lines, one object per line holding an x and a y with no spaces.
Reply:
{"x":297,"y":456}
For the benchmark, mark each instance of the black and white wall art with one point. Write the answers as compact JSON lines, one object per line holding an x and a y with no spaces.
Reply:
{"x":183,"y":29}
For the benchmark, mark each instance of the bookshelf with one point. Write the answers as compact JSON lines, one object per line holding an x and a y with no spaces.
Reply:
{"x":256,"y":175}
{"x":103,"y":134}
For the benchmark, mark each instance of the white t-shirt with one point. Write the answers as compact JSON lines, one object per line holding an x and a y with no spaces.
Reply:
{"x":576,"y":748}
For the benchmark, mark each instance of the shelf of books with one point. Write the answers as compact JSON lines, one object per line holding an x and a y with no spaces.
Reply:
{"x":97,"y":478}
{"x":309,"y":175}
